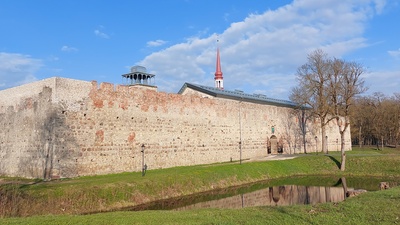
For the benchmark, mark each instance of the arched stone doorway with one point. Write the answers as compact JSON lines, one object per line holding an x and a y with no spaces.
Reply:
{"x":274,"y":144}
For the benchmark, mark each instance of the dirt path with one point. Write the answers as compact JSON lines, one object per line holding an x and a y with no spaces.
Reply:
{"x":274,"y":157}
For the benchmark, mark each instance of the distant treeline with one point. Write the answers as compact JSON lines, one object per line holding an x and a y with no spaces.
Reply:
{"x":375,"y":120}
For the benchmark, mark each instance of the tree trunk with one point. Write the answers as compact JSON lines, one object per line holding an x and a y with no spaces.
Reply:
{"x":343,"y":153}
{"x":343,"y":163}
{"x":323,"y":139}
{"x":359,"y":138}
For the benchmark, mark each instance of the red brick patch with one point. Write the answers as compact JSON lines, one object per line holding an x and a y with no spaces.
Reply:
{"x":99,"y":136}
{"x":131,"y":137}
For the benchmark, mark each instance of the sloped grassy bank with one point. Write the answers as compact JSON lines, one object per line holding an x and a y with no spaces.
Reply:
{"x":112,"y":192}
{"x":381,"y":207}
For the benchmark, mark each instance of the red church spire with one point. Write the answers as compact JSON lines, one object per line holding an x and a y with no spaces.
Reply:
{"x":219,"y":80}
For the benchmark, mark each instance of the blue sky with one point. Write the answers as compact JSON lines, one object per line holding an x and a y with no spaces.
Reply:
{"x":262,"y":42}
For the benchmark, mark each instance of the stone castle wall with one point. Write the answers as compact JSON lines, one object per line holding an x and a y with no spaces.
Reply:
{"x":63,"y":127}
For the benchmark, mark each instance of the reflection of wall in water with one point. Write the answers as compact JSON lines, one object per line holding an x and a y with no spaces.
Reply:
{"x":280,"y":195}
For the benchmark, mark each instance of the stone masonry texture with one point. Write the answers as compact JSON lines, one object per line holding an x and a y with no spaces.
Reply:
{"x":61,"y":127}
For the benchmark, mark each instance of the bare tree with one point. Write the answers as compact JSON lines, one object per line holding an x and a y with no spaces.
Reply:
{"x":396,"y":123}
{"x":361,"y":121}
{"x":392,"y":120}
{"x":287,"y":132}
{"x":329,"y":86}
{"x":376,"y":120}
{"x":303,"y":116}
{"x":293,"y":132}
{"x":345,"y":83}
{"x":313,"y":89}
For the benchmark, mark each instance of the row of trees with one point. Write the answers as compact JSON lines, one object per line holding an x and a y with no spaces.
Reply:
{"x":376,"y":120}
{"x":327,"y":87}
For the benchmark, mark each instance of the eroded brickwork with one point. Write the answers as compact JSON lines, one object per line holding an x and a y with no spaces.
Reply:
{"x":63,"y":127}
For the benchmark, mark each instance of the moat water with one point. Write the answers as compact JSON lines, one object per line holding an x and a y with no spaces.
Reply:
{"x":282,"y":192}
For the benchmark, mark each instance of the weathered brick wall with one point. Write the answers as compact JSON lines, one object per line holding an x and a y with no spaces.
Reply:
{"x":71,"y":128}
{"x":24,"y":133}
{"x":32,"y":127}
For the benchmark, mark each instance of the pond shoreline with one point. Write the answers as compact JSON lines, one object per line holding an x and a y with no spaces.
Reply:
{"x":112,"y":192}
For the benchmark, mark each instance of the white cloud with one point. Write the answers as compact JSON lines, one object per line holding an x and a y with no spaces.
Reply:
{"x":267,"y":45}
{"x":156,"y":43}
{"x":395,"y":53}
{"x":17,"y":69}
{"x":66,"y":48}
{"x":379,"y":5}
{"x":386,"y":82}
{"x":101,"y":34}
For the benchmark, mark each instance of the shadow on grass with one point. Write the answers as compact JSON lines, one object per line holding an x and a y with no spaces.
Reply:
{"x":335,"y":161}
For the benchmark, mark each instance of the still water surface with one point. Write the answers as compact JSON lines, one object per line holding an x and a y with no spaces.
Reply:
{"x":282,"y":192}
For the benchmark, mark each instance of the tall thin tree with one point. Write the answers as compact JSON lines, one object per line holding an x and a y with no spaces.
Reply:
{"x":312,"y":90}
{"x":345,"y":83}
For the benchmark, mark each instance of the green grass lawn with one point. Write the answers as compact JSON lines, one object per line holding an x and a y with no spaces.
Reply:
{"x":61,"y":202}
{"x":369,"y":208}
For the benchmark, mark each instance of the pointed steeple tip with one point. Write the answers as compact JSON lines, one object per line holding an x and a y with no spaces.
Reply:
{"x":218,"y":73}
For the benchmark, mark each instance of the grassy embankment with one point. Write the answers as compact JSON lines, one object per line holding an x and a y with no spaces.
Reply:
{"x":113,"y":192}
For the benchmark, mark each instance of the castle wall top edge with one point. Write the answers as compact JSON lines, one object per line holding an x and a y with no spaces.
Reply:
{"x":65,"y":90}
{"x":10,"y":96}
{"x":62,"y":88}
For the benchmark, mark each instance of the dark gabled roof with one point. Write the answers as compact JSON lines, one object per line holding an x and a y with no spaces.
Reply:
{"x":238,"y":95}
